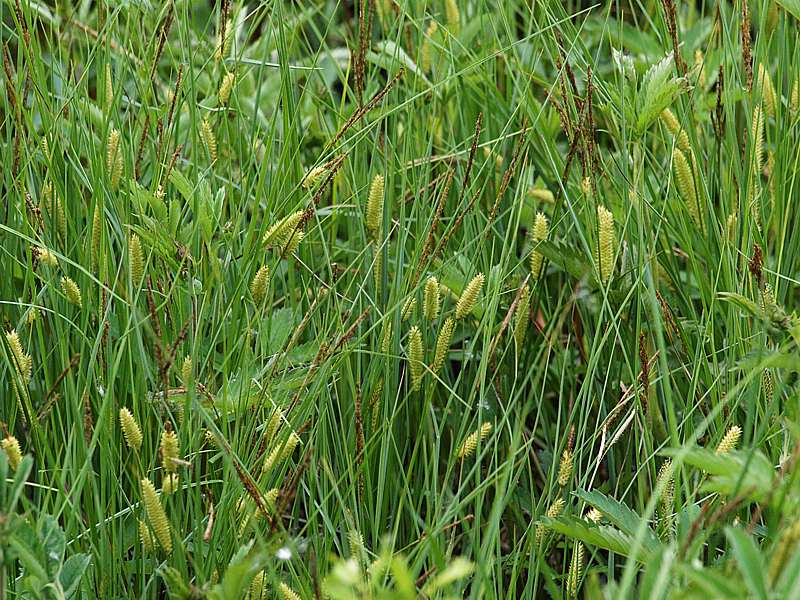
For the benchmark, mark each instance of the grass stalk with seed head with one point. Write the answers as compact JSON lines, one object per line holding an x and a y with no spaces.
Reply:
{"x":539,"y":233}
{"x":375,"y":206}
{"x":470,"y":444}
{"x":260,"y":284}
{"x":415,"y":357}
{"x":522,"y":318}
{"x":730,"y":440}
{"x":169,"y":451}
{"x":209,"y":139}
{"x":130,"y":429}
{"x":606,"y":244}
{"x":156,"y":515}
{"x":684,"y":179}
{"x":11,"y":447}
{"x":466,"y":303}
{"x":114,"y":158}
{"x":432,"y":299}
{"x":72,"y":291}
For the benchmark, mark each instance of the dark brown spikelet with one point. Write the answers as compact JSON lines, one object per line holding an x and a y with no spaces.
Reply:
{"x":747,"y":56}
{"x":137,"y":169}
{"x":672,"y":25}
{"x":88,"y":420}
{"x":162,"y":39}
{"x":719,"y":115}
{"x":644,"y":376}
{"x":359,"y":441}
{"x":757,"y":264}
{"x":359,"y":113}
{"x":473,"y":149}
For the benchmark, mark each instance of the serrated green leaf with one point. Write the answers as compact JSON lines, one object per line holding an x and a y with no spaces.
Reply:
{"x":601,"y":536}
{"x":791,"y":6}
{"x":750,"y":561}
{"x":183,"y":185}
{"x":658,"y":91}
{"x":177,"y":588}
{"x":625,"y":519}
{"x":72,"y":572}
{"x":53,"y":542}
{"x":743,"y":303}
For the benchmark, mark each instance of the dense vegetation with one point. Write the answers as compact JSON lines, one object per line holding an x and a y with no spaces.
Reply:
{"x":397,"y":299}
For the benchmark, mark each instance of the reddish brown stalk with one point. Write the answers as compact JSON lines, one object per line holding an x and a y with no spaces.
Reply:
{"x":359,"y":113}
{"x":137,"y":169}
{"x":175,"y":93}
{"x":48,"y":405}
{"x":756,"y":265}
{"x":210,"y":525}
{"x":506,"y":320}
{"x":223,"y":23}
{"x":672,"y":25}
{"x":507,"y":175}
{"x":88,"y":420}
{"x":162,"y":39}
{"x":288,"y":494}
{"x":173,"y":160}
{"x":359,"y":442}
{"x":473,"y":149}
{"x":429,"y":241}
{"x":719,"y":120}
{"x":589,"y":130}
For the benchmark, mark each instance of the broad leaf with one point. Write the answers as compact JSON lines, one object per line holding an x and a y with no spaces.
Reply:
{"x":750,"y":560}
{"x":619,"y":514}
{"x":601,"y":536}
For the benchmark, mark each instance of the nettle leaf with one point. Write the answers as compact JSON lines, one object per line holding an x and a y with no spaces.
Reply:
{"x":711,"y":583}
{"x":53,"y":543}
{"x":743,"y":303}
{"x":601,"y":536}
{"x":750,"y":561}
{"x":72,"y":572}
{"x":561,"y":255}
{"x":177,"y":588}
{"x":620,"y":515}
{"x":656,"y":580}
{"x":658,"y":91}
{"x":791,"y":6}
{"x":243,"y":567}
{"x":738,"y":472}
